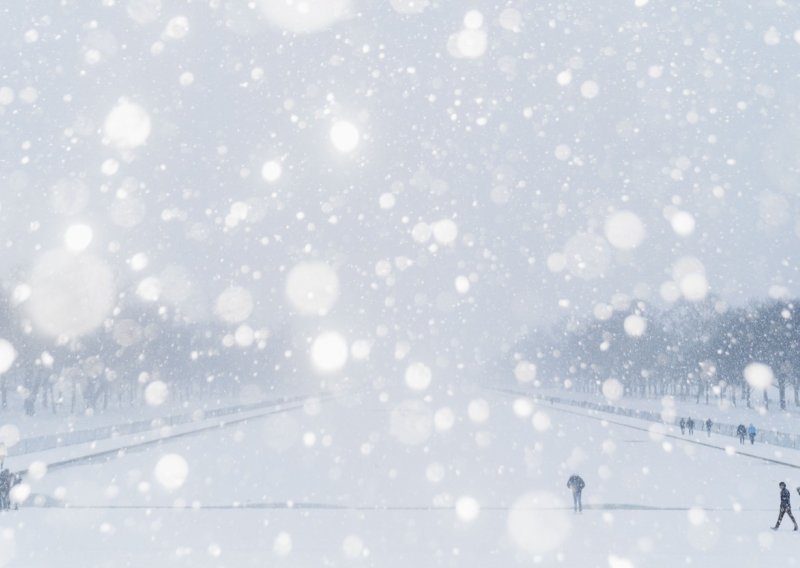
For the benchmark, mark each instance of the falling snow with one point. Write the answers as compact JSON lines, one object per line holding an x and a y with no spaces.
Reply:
{"x":340,"y":282}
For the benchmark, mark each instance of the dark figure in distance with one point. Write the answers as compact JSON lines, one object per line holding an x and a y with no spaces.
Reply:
{"x":576,"y":484}
{"x":6,"y":482}
{"x":741,"y":431}
{"x":751,"y":431}
{"x":683,"y":426}
{"x":786,"y":507}
{"x":708,"y":426}
{"x":690,"y":426}
{"x":16,"y":479}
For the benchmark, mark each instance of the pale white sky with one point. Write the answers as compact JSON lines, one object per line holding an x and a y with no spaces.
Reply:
{"x":459,"y":168}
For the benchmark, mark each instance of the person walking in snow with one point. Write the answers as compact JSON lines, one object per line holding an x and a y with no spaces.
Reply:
{"x":741,"y":431}
{"x":708,"y":427}
{"x":576,"y":484}
{"x":690,"y":425}
{"x":16,"y":479}
{"x":683,"y":426}
{"x":786,"y":507}
{"x":751,"y":431}
{"x":5,"y":489}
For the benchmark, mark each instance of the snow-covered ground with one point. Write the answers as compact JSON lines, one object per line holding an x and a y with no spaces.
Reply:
{"x":46,"y":422}
{"x":135,"y":425}
{"x":720,"y":412}
{"x":387,"y":481}
{"x":280,"y":197}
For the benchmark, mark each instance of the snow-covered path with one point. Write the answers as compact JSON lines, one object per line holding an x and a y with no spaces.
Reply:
{"x":759,"y":451}
{"x":360,"y":481}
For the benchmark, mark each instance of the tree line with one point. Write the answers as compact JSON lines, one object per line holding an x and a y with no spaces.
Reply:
{"x":112,"y":367}
{"x":691,"y":350}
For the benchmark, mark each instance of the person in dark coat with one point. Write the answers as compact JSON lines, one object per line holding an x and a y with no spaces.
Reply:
{"x":741,"y":431}
{"x":683,"y":426}
{"x":708,"y":426}
{"x":16,"y":479}
{"x":576,"y":484}
{"x":6,"y":480}
{"x":690,"y":425}
{"x":786,"y":506}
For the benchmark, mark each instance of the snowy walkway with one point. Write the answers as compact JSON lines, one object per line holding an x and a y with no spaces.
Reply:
{"x":658,"y":431}
{"x":44,"y":442}
{"x":358,"y":481}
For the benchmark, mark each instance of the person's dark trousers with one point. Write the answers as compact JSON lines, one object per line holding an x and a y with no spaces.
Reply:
{"x":785,"y":509}
{"x":576,"y":501}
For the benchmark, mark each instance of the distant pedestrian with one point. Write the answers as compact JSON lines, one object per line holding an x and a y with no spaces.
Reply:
{"x":683,"y":426}
{"x":6,"y":480}
{"x":16,"y":479}
{"x":741,"y":431}
{"x":751,"y":431}
{"x":786,"y":507}
{"x":576,"y":484}
{"x":708,"y":426}
{"x":690,"y":425}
